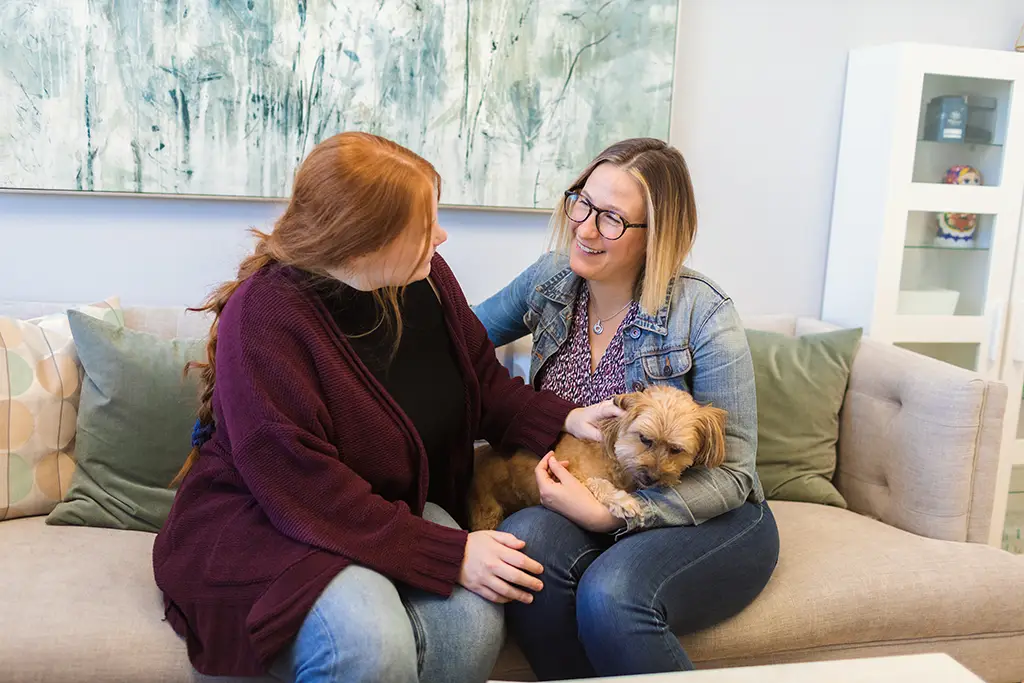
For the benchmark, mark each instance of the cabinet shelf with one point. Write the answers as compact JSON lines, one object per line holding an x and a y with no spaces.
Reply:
{"x":937,"y":247}
{"x":960,"y":143}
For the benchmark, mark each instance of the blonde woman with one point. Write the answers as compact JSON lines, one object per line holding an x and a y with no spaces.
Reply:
{"x":613,"y":310}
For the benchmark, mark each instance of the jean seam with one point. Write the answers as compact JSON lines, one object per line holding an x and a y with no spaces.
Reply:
{"x":696,"y":560}
{"x":575,"y":562}
{"x":330,"y":637}
{"x":575,"y":581}
{"x":418,"y":636}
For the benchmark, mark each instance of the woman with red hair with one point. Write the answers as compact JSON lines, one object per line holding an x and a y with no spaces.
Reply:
{"x":316,"y":531}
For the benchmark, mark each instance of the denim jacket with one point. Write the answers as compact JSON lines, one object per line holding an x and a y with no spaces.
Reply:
{"x":695,"y":342}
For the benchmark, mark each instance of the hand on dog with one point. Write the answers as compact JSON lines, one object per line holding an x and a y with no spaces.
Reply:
{"x":566,"y":495}
{"x":585,"y":423}
{"x":493,"y":563}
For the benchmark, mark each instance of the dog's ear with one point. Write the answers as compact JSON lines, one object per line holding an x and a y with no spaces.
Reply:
{"x":610,"y":428}
{"x":711,"y":427}
{"x":625,"y":401}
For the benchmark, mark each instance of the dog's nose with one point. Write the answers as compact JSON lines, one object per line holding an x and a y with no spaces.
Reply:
{"x":644,"y":478}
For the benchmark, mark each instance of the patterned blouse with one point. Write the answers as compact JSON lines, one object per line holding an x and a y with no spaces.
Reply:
{"x":567,"y":373}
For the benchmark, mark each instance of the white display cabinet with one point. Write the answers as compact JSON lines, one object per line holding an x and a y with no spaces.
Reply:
{"x":925,"y":249}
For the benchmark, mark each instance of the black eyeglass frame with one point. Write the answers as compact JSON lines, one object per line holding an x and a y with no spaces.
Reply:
{"x":592,"y":209}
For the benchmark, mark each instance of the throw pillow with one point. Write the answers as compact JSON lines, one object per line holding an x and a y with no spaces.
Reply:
{"x":801,"y":383}
{"x":39,"y":388}
{"x":134,"y":426}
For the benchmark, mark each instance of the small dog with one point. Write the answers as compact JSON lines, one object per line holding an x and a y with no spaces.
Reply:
{"x":662,"y":432}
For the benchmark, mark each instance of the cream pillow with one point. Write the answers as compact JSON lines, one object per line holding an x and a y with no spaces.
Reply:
{"x":40,"y":380}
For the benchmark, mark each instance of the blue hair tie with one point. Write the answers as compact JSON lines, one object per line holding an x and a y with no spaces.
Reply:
{"x":201,"y":433}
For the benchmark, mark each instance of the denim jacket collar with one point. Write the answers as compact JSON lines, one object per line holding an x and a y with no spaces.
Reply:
{"x":562,"y":287}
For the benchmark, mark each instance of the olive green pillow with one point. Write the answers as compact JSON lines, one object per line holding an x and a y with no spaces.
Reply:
{"x":135,"y":422}
{"x":801,"y":383}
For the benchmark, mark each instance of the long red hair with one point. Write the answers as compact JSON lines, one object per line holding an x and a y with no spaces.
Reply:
{"x":353,"y":195}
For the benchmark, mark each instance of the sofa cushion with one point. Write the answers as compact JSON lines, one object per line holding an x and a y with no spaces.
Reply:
{"x":134,"y":420}
{"x":83,"y":600}
{"x":801,"y":382}
{"x":80,"y":604}
{"x":847,"y":585}
{"x":845,"y":579}
{"x":39,"y":392}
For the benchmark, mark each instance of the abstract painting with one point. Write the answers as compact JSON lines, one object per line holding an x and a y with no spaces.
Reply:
{"x":509,"y":99}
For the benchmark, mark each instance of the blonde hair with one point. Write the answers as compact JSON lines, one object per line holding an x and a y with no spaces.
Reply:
{"x":664,"y":179}
{"x":353,"y":195}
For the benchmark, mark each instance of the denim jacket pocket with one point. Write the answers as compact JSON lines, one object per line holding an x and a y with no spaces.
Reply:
{"x":664,"y":365}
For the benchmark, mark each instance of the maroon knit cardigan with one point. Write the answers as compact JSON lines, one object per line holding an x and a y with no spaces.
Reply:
{"x":313,"y":467}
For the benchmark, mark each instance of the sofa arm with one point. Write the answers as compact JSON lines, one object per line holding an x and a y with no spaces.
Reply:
{"x":919,"y":443}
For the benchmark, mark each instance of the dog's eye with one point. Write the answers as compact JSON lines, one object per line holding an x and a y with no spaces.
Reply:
{"x":675,"y":450}
{"x":645,"y":441}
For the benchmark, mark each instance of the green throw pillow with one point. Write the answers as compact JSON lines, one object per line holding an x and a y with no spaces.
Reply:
{"x":134,"y":426}
{"x":801,"y":383}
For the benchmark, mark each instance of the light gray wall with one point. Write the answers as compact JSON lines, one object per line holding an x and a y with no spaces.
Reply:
{"x":759,"y":87}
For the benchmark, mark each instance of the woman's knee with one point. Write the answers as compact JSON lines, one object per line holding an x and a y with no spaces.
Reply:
{"x":559,"y":545}
{"x":482,"y":625}
{"x":539,"y":527}
{"x":459,"y":637}
{"x":606,"y":597}
{"x":358,"y":630}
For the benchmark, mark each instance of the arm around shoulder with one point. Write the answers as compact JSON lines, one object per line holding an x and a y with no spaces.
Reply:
{"x":502,"y":314}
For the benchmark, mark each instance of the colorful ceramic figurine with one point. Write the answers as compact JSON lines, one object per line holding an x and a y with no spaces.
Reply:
{"x":957,"y":229}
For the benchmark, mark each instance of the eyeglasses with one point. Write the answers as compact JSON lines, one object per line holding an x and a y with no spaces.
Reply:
{"x":611,"y":225}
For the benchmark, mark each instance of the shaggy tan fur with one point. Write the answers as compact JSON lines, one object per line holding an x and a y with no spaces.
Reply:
{"x":662,"y":432}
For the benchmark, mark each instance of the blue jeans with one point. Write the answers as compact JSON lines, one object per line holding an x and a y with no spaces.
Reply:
{"x":615,"y":608}
{"x":364,"y":627}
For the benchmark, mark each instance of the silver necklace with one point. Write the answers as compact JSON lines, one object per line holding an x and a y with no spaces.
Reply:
{"x":598,"y":326}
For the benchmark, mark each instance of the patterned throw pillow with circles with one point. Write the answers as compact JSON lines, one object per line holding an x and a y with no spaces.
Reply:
{"x":40,"y":380}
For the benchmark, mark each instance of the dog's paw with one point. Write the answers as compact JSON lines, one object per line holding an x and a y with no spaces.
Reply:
{"x":619,"y":503}
{"x":624,"y":506}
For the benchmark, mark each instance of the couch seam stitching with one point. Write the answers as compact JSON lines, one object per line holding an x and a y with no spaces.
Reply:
{"x":974,"y":462}
{"x":903,"y":641}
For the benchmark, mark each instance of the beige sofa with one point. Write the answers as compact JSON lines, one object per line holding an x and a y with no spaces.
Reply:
{"x":903,"y":571}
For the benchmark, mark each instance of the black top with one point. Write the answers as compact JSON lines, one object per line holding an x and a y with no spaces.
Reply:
{"x":423,"y":377}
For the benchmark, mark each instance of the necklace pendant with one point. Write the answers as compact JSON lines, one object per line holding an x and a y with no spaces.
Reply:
{"x":598,"y":327}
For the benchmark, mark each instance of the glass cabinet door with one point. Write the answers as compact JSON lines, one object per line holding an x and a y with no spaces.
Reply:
{"x":961,"y":129}
{"x":955,"y":250}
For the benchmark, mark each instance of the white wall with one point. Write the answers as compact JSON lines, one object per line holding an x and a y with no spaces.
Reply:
{"x":761,"y":90}
{"x":759,"y":97}
{"x":172,"y":251}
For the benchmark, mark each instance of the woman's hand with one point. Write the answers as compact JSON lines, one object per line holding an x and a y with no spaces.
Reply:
{"x":493,"y":566}
{"x":585,"y":423}
{"x":563,"y":493}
